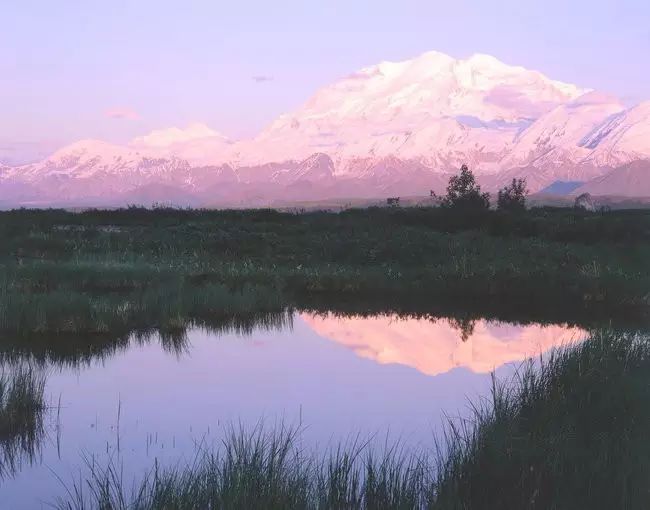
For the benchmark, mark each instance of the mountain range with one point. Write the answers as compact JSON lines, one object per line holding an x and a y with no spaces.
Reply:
{"x":395,"y":128}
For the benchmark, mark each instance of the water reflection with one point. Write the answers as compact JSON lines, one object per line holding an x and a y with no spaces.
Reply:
{"x":83,"y":349}
{"x":437,"y":346}
{"x":151,"y":396}
{"x":22,"y":410}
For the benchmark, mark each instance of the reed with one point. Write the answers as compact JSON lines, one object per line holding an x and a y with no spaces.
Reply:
{"x":22,"y":407}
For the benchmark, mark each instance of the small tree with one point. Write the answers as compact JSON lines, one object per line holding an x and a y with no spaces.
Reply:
{"x":512,"y":197}
{"x":463,"y":193}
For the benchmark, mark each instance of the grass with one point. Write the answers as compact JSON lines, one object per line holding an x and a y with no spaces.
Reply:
{"x":64,"y":273}
{"x":261,"y":469}
{"x":568,"y":431}
{"x":22,"y":406}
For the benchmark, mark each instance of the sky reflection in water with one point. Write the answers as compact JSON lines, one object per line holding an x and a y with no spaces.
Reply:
{"x":337,"y":376}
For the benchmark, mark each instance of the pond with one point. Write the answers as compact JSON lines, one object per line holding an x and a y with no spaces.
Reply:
{"x":337,"y":377}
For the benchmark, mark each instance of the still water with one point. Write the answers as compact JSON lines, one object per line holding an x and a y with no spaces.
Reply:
{"x":334,"y":376}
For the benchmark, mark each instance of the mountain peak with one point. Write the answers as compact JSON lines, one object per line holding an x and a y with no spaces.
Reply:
{"x":432,"y":85}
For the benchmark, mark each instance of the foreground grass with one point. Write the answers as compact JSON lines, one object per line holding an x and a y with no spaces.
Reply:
{"x":22,"y":406}
{"x":86,"y":273}
{"x":262,"y":470}
{"x":569,"y":431}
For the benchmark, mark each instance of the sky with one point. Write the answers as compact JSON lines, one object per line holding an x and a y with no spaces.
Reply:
{"x":74,"y":69}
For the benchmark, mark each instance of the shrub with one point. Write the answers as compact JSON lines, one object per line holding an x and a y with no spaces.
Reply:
{"x":512,"y":197}
{"x":464,"y":194}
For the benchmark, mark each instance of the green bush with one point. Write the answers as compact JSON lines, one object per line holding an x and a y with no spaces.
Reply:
{"x":512,"y":198}
{"x":464,"y":194}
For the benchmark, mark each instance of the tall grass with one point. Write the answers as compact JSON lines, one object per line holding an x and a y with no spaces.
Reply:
{"x":65,"y":311}
{"x":68,"y":303}
{"x":55,"y":262}
{"x":261,"y":469}
{"x":22,"y":406}
{"x":568,"y":431}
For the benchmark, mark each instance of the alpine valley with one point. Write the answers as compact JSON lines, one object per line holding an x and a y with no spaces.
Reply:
{"x":392,"y":129}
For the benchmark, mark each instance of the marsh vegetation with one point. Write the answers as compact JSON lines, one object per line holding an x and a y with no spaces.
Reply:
{"x":124,"y":270}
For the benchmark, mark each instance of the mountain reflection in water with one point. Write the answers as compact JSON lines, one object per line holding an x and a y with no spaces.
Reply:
{"x":437,"y":346}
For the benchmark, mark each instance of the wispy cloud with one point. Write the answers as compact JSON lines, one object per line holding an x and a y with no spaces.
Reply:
{"x":122,"y":113}
{"x":260,"y":78}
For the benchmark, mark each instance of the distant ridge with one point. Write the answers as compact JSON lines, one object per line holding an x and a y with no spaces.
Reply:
{"x":631,"y":180}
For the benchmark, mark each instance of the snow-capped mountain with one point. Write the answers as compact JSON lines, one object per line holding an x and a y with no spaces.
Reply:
{"x":93,"y":168}
{"x":92,"y":171}
{"x":433,"y":85}
{"x":432,"y":107}
{"x":388,"y":129}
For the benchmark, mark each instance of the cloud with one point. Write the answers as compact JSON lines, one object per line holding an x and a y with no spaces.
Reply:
{"x":505,"y":96}
{"x":122,"y":113}
{"x":262,"y":78}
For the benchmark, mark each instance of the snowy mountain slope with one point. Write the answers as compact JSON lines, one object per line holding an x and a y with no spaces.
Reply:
{"x":92,"y":168}
{"x":79,"y":160}
{"x":392,"y":173}
{"x":555,"y":138}
{"x":551,"y":148}
{"x":622,"y":138}
{"x":539,"y":177}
